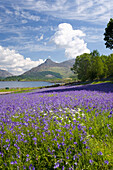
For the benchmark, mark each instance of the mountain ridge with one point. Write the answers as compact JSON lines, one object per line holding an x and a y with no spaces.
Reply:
{"x":47,"y":71}
{"x":4,"y":73}
{"x":62,"y":68}
{"x":49,"y":63}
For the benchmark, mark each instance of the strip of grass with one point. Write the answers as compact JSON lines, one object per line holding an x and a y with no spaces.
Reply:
{"x":98,"y":82}
{"x":26,"y":89}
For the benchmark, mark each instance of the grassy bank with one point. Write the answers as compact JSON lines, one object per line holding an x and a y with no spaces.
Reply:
{"x":26,"y":89}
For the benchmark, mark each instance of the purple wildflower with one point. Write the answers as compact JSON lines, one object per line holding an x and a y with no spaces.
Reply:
{"x":109,"y":116}
{"x":7,"y":140}
{"x":27,"y":155}
{"x":75,"y":143}
{"x":87,"y":147}
{"x":84,"y":142}
{"x":12,"y":163}
{"x":27,"y":159}
{"x":63,"y":168}
{"x":24,"y":167}
{"x":111,"y":112}
{"x":56,"y":165}
{"x":100,"y":153}
{"x":106,"y":162}
{"x":35,"y":139}
{"x":91,"y":161}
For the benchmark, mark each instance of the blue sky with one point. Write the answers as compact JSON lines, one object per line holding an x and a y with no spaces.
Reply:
{"x":33,"y":30}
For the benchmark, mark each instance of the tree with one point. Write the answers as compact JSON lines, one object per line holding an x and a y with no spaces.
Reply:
{"x":95,"y":53}
{"x":104,"y":59}
{"x":97,"y":68}
{"x":109,"y":63}
{"x":89,"y":66}
{"x":82,"y":66}
{"x":109,"y":35}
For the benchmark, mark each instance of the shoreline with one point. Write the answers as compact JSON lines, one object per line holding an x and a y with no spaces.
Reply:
{"x":2,"y":93}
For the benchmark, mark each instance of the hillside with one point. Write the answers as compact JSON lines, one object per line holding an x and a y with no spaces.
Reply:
{"x":51,"y":69}
{"x":4,"y":73}
{"x":48,"y":71}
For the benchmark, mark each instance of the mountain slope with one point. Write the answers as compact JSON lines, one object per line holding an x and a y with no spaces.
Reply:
{"x":4,"y":73}
{"x":49,"y":69}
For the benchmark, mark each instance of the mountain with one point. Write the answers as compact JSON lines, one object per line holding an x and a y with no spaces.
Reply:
{"x":50,"y":70}
{"x":4,"y":73}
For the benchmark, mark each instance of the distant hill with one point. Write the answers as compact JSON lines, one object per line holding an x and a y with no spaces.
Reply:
{"x":4,"y":73}
{"x":50,"y":69}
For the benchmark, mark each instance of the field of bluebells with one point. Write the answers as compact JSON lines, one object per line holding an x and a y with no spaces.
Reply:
{"x":64,"y":128}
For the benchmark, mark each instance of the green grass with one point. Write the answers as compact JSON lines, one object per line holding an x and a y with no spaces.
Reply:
{"x":98,"y":82}
{"x":26,"y":89}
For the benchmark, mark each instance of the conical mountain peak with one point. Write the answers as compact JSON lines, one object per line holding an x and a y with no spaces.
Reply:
{"x":49,"y":61}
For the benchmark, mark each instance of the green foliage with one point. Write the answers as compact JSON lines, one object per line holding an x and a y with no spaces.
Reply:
{"x":93,"y":66}
{"x":109,"y":63}
{"x":95,"y":53}
{"x":109,"y":34}
{"x":97,"y":68}
{"x":81,"y":66}
{"x":105,"y":66}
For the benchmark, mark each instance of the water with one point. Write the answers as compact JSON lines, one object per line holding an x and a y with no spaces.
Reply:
{"x":15,"y":84}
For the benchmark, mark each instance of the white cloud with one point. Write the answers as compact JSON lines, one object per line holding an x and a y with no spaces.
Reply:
{"x":39,"y":38}
{"x":86,"y":10}
{"x":14,"y":62}
{"x":69,"y":39}
{"x":8,"y":12}
{"x":27,"y":15}
{"x":24,"y":21}
{"x":94,"y":35}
